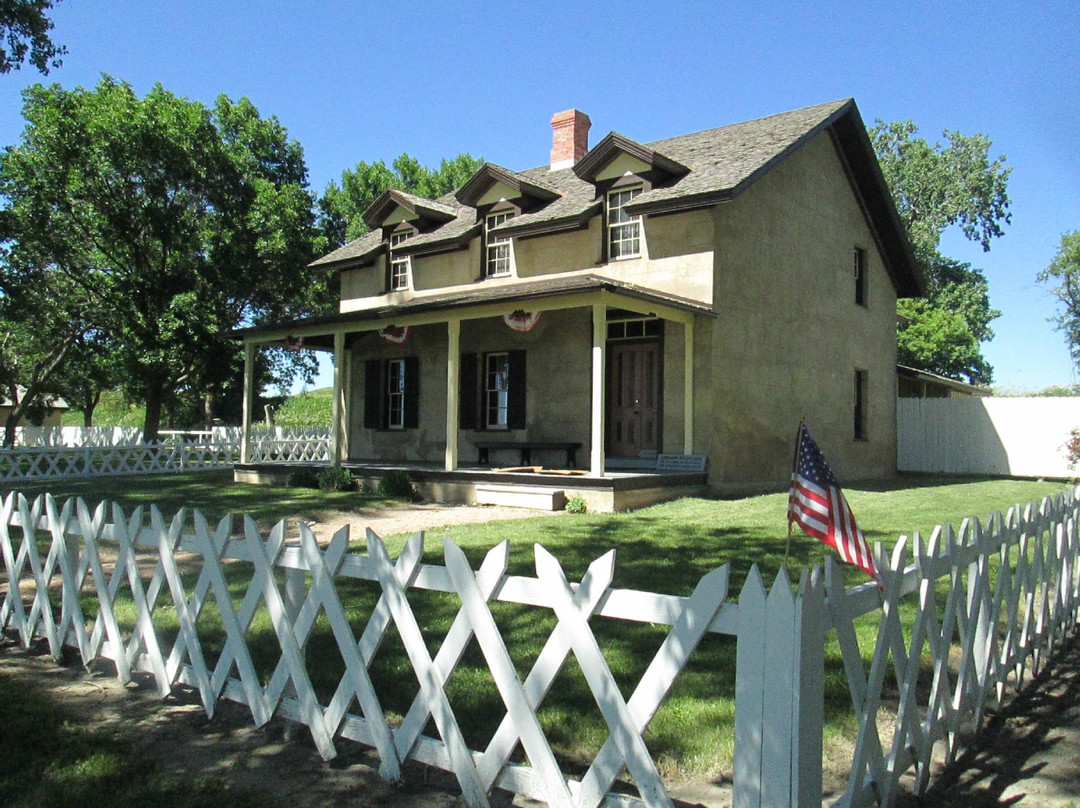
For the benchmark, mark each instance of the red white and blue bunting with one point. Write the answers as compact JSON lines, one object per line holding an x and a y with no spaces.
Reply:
{"x":520,"y":320}
{"x":398,"y":335}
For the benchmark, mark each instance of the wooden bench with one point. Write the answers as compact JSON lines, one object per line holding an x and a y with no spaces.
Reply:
{"x":526,"y":447}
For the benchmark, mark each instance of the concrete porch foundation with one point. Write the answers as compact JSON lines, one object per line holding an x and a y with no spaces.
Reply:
{"x":615,"y":492}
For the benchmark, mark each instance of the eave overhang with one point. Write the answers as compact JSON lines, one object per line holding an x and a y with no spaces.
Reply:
{"x":460,"y":304}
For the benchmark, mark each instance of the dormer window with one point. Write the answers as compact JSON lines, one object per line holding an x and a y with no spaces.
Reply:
{"x":623,"y":229}
{"x":499,"y":253}
{"x":400,"y":265}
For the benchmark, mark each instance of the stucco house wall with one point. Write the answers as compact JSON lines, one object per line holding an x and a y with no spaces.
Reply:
{"x":789,"y":335}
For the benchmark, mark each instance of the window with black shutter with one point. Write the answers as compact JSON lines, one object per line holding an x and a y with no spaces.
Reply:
{"x":392,"y":393}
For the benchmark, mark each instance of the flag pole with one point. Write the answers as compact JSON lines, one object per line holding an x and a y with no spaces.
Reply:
{"x":794,"y":471}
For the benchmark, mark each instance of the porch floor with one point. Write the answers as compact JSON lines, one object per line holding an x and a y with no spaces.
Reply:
{"x":620,"y":489}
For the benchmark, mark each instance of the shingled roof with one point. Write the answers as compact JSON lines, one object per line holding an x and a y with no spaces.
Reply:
{"x":720,"y":164}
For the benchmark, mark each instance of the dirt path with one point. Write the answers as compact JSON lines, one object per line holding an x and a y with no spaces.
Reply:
{"x":1028,"y":754}
{"x":394,"y":519}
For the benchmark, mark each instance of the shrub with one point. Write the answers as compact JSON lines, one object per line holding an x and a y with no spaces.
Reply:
{"x":303,"y":478}
{"x":576,"y":504}
{"x":336,"y":478}
{"x":1072,"y":449}
{"x":397,"y":485}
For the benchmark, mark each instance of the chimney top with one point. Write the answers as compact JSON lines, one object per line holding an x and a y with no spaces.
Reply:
{"x":569,"y":138}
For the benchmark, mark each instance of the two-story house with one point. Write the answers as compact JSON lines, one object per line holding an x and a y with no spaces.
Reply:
{"x":693,"y":296}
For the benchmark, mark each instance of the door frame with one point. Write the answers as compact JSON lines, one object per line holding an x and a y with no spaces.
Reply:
{"x":609,"y":391}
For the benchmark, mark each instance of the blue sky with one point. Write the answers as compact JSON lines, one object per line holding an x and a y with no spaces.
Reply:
{"x":364,"y":81}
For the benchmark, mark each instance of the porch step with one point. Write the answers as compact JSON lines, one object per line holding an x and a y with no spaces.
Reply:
{"x":521,"y":496}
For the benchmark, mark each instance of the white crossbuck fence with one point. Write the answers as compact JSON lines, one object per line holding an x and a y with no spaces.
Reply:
{"x":991,"y":602}
{"x":180,"y":451}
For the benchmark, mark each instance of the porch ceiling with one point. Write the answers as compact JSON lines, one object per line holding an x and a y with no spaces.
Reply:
{"x":554,"y":293}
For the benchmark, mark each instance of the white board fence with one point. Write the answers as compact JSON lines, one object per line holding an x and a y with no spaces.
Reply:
{"x":1018,"y":437}
{"x":1012,"y":596}
{"x":67,"y":452}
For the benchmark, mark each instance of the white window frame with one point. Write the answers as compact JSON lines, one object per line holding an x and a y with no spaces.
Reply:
{"x":497,"y":390}
{"x":395,"y":394}
{"x":400,"y":266}
{"x":623,"y":229}
{"x":498,"y":250}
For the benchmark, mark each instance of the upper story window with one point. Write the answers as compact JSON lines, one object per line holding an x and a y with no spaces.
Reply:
{"x":499,"y":249}
{"x":399,"y":264}
{"x":859,"y":262}
{"x":623,"y":229}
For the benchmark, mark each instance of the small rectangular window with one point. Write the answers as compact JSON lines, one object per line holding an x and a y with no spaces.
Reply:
{"x":499,"y":248}
{"x":497,"y":390}
{"x":859,"y":259}
{"x":860,"y":405}
{"x":624,"y":230}
{"x":399,"y":264}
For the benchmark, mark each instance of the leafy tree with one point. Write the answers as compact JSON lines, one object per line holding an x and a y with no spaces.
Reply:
{"x":934,"y":187}
{"x":37,"y":333}
{"x":24,"y":29}
{"x":88,"y":371}
{"x":172,"y":223}
{"x":1063,"y":278}
{"x":342,"y":206}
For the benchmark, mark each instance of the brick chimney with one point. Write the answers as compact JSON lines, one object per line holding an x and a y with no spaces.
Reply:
{"x":569,"y":138}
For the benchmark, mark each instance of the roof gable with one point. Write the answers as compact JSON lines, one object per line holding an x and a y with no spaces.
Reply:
{"x":614,"y":146}
{"x":392,"y":206}
{"x":473,"y":192}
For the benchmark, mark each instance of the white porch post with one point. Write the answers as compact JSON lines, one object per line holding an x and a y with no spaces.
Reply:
{"x":245,"y":416}
{"x":453,"y":375}
{"x":688,"y":387}
{"x":599,"y":340}
{"x":339,"y":447}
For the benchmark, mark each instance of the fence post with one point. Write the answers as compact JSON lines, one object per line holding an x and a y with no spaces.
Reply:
{"x":295,"y":593}
{"x":779,"y":692}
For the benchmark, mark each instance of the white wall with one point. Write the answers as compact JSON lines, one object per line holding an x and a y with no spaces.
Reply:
{"x":1020,"y":437}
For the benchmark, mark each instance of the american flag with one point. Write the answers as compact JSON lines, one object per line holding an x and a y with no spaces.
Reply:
{"x":818,"y":506}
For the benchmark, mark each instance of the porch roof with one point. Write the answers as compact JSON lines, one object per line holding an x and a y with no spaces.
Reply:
{"x":528,"y":293}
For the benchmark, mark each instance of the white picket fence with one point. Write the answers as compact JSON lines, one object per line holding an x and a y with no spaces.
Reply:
{"x":1009,"y":593}
{"x":88,"y":456}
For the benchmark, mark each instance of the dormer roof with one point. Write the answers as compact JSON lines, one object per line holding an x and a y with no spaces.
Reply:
{"x":416,"y":208}
{"x":614,"y":145}
{"x":490,"y":175}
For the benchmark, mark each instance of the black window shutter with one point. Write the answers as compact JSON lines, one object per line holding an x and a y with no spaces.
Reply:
{"x":412,"y":392}
{"x":373,"y":394}
{"x":468,"y":391}
{"x":515,"y":415}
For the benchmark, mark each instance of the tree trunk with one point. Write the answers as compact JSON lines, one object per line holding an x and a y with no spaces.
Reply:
{"x":9,"y":429}
{"x":14,"y":412}
{"x":88,"y":410}
{"x":208,"y":410}
{"x":155,"y":400}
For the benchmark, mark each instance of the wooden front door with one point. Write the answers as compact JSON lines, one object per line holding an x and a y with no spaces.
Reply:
{"x":633,"y":398}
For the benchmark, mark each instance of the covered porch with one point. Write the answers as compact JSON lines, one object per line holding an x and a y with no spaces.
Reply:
{"x":459,"y":382}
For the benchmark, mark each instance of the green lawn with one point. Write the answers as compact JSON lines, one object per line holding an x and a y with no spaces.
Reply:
{"x":212,"y":492}
{"x":665,"y":548}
